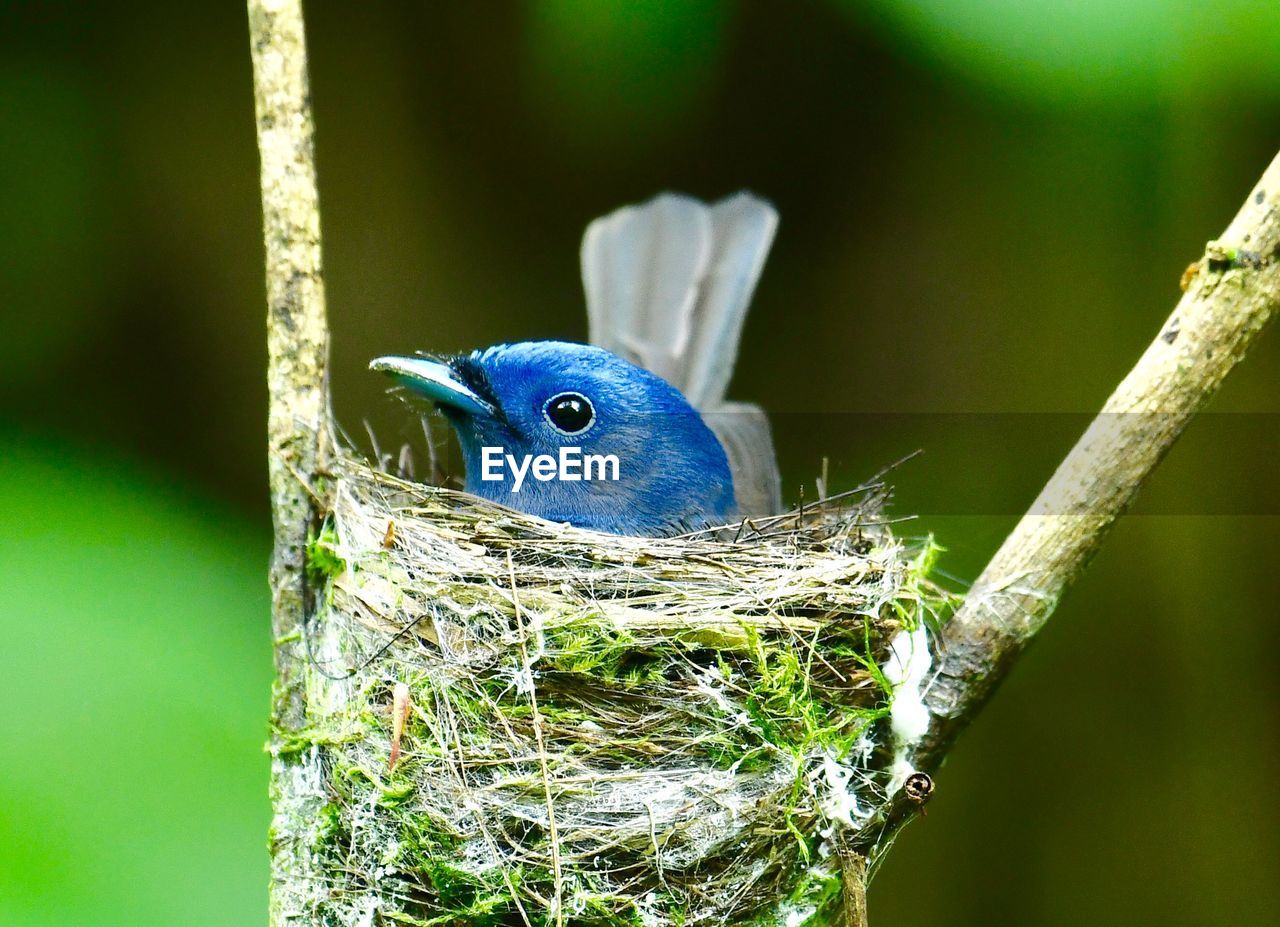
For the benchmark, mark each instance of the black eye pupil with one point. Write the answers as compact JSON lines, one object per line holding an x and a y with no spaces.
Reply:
{"x":570,"y":413}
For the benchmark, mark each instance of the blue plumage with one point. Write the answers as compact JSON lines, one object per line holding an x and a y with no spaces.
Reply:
{"x":668,"y":284}
{"x":528,"y":401}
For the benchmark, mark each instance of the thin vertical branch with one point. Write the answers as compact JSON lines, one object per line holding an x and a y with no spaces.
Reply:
{"x":299,"y":434}
{"x":298,"y":427}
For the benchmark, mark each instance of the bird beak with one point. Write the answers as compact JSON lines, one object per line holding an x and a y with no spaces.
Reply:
{"x":434,"y":380}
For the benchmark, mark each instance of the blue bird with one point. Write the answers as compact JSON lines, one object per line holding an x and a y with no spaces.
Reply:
{"x":630,"y":434}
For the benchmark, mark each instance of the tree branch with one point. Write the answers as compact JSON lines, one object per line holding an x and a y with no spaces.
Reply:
{"x":298,"y":426}
{"x":1233,"y":294}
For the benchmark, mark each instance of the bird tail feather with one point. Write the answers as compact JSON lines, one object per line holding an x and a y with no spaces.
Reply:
{"x":668,"y":284}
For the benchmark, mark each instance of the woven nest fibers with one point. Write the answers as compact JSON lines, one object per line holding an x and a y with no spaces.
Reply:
{"x":524,"y":723}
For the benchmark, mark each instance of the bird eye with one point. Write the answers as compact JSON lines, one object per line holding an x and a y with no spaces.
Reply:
{"x":569,"y":413}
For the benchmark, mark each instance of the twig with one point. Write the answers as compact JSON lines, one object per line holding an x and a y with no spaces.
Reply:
{"x":298,"y":428}
{"x":853,"y":872}
{"x":1231,"y":295}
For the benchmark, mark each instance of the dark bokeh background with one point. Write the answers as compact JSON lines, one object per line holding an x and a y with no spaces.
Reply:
{"x":986,"y":208}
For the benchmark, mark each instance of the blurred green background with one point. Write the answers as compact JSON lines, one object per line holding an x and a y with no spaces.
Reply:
{"x":986,"y":208}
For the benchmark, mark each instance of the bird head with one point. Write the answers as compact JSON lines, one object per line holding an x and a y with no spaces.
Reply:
{"x":531,"y":416}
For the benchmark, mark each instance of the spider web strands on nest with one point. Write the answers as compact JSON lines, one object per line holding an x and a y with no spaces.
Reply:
{"x":604,"y":730}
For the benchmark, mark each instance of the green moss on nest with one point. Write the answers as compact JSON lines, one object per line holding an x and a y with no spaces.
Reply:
{"x":604,"y":732}
{"x":323,"y":560}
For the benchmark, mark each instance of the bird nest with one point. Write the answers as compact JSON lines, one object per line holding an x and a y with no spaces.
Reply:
{"x":530,"y":724}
